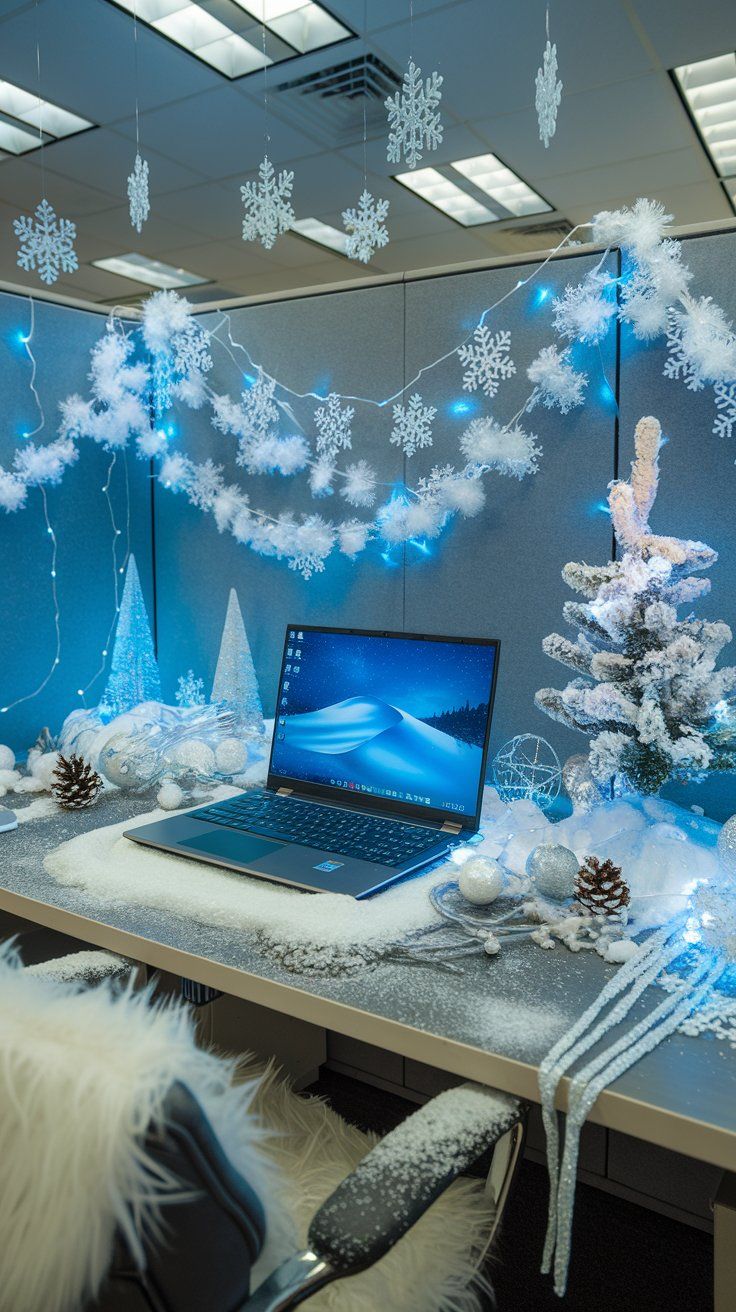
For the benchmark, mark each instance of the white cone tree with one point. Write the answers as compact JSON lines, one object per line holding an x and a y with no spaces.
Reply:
{"x":648,"y":693}
{"x":235,"y":683}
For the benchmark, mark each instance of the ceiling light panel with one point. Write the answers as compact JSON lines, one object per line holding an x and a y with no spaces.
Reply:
{"x":447,"y":196}
{"x":491,"y":176}
{"x":27,"y":121}
{"x":231,"y":35}
{"x":154,"y":273}
{"x":709,"y":90}
{"x":321,"y":233}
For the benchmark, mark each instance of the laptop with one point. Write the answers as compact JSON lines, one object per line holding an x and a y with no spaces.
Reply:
{"x":376,"y":769}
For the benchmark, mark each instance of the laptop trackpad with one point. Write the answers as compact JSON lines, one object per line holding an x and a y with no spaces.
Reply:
{"x":226,"y":845}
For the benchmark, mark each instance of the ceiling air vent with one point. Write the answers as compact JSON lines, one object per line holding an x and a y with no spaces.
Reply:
{"x":532,"y":236}
{"x":331,"y":102}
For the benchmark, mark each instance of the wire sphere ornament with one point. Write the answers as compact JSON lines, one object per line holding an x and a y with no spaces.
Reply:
{"x":527,"y":767}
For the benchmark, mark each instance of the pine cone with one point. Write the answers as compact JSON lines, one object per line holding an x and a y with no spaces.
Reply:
{"x":75,"y":784}
{"x":600,"y":887}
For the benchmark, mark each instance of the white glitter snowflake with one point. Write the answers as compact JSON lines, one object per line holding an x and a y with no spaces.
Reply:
{"x":46,"y":243}
{"x":191,"y":350}
{"x":413,"y":116}
{"x":313,"y":541}
{"x":679,"y":363}
{"x":412,"y":428}
{"x":260,"y":409}
{"x":549,"y":94}
{"x":206,"y":484}
{"x":486,"y":362}
{"x":140,"y":205}
{"x":190,"y":691}
{"x":365,"y":226}
{"x":334,"y":426}
{"x":268,"y":209}
{"x":429,"y":486}
{"x":725,"y":421}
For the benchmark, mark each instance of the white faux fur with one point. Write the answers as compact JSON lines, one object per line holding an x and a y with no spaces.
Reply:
{"x":82,"y":1076}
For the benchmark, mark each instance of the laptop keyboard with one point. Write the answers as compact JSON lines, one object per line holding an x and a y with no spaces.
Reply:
{"x":328,"y":828}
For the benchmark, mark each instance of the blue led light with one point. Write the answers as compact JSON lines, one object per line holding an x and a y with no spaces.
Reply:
{"x":600,"y":508}
{"x":420,"y":545}
{"x":388,"y":559}
{"x":171,"y":430}
{"x":606,"y":394}
{"x":463,"y":406}
{"x":543,"y":293}
{"x":21,"y":338}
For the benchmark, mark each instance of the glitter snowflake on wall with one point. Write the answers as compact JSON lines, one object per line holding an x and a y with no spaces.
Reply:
{"x":548,"y":94}
{"x":365,"y":226}
{"x":191,"y":350}
{"x":190,"y":691}
{"x":487,"y":360}
{"x":414,"y":119}
{"x":46,"y":243}
{"x":724,"y":423}
{"x":268,"y":209}
{"x":140,"y":205}
{"x":412,"y":428}
{"x":260,"y":408}
{"x":334,"y":429}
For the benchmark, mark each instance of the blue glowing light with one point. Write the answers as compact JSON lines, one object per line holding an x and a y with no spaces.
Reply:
{"x":606,"y":394}
{"x":388,"y":559}
{"x":420,"y":545}
{"x":601,"y":508}
{"x":248,"y":379}
{"x":21,"y":338}
{"x":463,"y":406}
{"x":171,"y":430}
{"x":543,"y":293}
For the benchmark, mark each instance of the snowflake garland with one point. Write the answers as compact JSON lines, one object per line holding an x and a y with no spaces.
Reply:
{"x":548,"y":94}
{"x":46,"y":243}
{"x":138,"y":198}
{"x":725,"y":421}
{"x":487,"y":361}
{"x":366,"y":228}
{"x":190,"y":691}
{"x":414,"y":119}
{"x":412,"y":429}
{"x":334,"y":431}
{"x":268,"y":209}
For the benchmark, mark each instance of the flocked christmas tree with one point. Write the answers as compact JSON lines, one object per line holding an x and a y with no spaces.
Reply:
{"x":648,"y":693}
{"x":134,"y":675}
{"x":235,"y":682}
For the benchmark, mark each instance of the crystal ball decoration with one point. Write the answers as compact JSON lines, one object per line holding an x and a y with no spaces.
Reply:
{"x":553,"y":870}
{"x":527,"y":767}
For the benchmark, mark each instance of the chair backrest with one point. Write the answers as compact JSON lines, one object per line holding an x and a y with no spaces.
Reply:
{"x":209,"y":1242}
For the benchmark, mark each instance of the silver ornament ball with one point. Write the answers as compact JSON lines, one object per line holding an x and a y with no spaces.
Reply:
{"x":553,"y":870}
{"x":480,"y":880}
{"x":727,"y":846}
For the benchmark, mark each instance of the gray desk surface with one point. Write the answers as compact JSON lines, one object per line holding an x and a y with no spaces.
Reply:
{"x":493,"y":1024}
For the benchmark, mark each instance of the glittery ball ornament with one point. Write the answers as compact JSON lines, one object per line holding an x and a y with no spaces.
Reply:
{"x":130,"y":762}
{"x":579,"y":783}
{"x":480,"y":880}
{"x":553,"y":870}
{"x":230,"y":756}
{"x":727,"y":846}
{"x":527,"y":767}
{"x":714,"y":906}
{"x":170,"y":796}
{"x":7,"y":757}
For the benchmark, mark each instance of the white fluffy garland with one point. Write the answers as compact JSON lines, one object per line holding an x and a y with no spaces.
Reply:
{"x":128,"y":394}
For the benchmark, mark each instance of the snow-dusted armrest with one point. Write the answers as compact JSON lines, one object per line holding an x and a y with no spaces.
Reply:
{"x":403,"y":1175}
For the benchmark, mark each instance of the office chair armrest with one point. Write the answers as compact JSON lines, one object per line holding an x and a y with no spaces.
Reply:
{"x":403,"y":1175}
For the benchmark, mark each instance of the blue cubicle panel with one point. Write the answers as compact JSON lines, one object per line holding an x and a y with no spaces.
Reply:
{"x":697,"y":489}
{"x":79,"y":515}
{"x":351,"y":341}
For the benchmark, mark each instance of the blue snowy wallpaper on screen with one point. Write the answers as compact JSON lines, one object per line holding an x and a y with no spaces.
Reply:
{"x":393,"y":717}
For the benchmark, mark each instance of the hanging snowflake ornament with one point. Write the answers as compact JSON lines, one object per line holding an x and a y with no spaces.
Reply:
{"x":268,"y":209}
{"x":487,"y":360}
{"x":725,"y":420}
{"x":333,"y":421}
{"x":412,"y":428}
{"x":190,"y":690}
{"x":548,"y":94}
{"x":140,"y":205}
{"x":46,"y":243}
{"x":365,"y":227}
{"x":414,"y":120}
{"x":260,"y":409}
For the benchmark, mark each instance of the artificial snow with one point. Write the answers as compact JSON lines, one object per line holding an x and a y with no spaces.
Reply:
{"x":90,"y":966}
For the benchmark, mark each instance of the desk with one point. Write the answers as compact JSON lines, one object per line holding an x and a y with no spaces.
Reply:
{"x":492,"y":1025}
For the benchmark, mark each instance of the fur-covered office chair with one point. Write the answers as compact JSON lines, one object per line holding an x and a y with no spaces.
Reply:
{"x":138,"y":1174}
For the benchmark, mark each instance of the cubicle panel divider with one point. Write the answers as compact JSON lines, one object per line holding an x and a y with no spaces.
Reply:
{"x":79,"y":516}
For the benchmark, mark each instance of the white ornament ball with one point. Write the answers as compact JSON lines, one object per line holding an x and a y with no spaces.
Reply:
{"x":230,"y":756}
{"x":7,"y":757}
{"x":727,"y":846}
{"x":194,"y":755}
{"x":170,"y":796}
{"x":553,"y":870}
{"x":43,"y":768}
{"x":480,"y":880}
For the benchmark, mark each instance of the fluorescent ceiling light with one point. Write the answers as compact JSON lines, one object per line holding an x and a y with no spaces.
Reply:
{"x":232,"y":41}
{"x":322,"y":233}
{"x":138,"y":268}
{"x":709,"y":90}
{"x":446,"y":196}
{"x":491,"y":176}
{"x":27,"y":121}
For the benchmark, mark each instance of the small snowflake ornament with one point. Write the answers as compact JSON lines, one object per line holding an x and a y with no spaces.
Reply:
{"x":414,"y":120}
{"x":724,"y":423}
{"x":190,"y":691}
{"x":268,"y":209}
{"x":366,"y":228}
{"x":412,"y":428}
{"x":140,"y":205}
{"x":487,"y":361}
{"x":260,"y":408}
{"x":548,"y":93}
{"x":46,"y":243}
{"x":333,"y":423}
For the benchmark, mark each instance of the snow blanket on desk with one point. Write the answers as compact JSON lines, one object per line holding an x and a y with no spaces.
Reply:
{"x":325,"y":933}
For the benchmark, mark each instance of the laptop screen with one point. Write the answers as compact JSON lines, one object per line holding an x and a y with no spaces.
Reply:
{"x":399,"y":718}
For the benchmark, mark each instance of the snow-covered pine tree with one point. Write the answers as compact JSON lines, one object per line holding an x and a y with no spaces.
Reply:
{"x":648,"y":694}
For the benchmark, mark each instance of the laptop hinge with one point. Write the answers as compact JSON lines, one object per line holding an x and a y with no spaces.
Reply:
{"x":450,"y":827}
{"x":284,"y":792}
